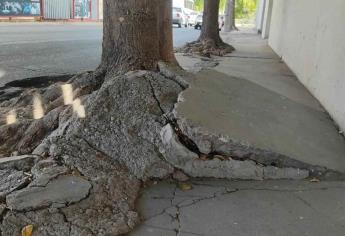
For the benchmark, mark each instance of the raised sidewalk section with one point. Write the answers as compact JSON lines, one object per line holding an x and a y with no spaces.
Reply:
{"x":252,"y":107}
{"x":253,"y":100}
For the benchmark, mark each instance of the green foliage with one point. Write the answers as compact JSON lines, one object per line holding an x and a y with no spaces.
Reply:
{"x":244,"y":8}
{"x":222,"y":5}
{"x":199,"y":5}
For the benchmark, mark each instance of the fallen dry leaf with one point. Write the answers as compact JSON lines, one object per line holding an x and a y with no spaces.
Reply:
{"x":185,"y":186}
{"x":222,"y":158}
{"x":203,"y":157}
{"x":27,"y":230}
{"x":314,"y":180}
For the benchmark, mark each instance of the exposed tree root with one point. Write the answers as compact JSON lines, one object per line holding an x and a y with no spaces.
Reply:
{"x":114,"y":146}
{"x":16,"y":99}
{"x":207,"y":48}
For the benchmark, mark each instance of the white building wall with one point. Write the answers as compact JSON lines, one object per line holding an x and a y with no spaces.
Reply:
{"x":260,"y":10}
{"x":310,"y":37}
{"x":267,"y":19}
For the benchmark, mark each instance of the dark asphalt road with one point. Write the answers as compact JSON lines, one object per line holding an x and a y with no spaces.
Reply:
{"x":39,"y":49}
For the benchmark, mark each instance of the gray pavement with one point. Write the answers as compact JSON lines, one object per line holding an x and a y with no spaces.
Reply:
{"x":253,"y":97}
{"x":261,"y":108}
{"x":41,"y":49}
{"x":247,"y":208}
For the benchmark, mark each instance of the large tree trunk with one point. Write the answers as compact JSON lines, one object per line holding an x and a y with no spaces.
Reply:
{"x":136,"y":35}
{"x":130,"y":35}
{"x":230,"y":16}
{"x":210,"y":25}
{"x":165,"y":32}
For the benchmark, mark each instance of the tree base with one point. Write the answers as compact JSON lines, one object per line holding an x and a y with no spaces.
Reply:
{"x":106,"y":153}
{"x":128,"y":134}
{"x":232,"y":28}
{"x":207,"y":48}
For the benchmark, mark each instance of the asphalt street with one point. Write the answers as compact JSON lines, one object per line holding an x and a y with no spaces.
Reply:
{"x":39,"y":49}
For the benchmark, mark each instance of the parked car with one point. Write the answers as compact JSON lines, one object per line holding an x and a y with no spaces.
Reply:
{"x":192,"y":15}
{"x":179,"y":17}
{"x":198,"y":22}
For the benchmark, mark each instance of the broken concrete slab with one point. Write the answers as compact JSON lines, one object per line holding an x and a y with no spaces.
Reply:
{"x":181,"y":157}
{"x":46,"y":170}
{"x":249,"y":120}
{"x":246,"y":170}
{"x":24,"y":162}
{"x":60,"y":192}
{"x":11,"y":180}
{"x":229,"y":169}
{"x":173,"y":150}
{"x":271,"y":172}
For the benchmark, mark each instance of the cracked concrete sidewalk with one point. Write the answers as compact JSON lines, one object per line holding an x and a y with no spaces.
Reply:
{"x":262,"y":208}
{"x":253,"y":98}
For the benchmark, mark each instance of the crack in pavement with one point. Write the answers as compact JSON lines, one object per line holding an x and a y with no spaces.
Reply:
{"x":177,"y":214}
{"x":187,"y":201}
{"x":183,"y":138}
{"x":170,"y":230}
{"x":251,"y":57}
{"x":270,"y":189}
{"x":66,"y":220}
{"x":179,"y":205}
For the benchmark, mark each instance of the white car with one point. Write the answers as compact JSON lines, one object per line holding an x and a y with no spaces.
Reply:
{"x":199,"y":19}
{"x":179,"y":17}
{"x":192,"y":18}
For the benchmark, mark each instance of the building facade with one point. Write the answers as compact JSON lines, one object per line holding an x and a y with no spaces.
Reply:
{"x":52,"y":9}
{"x":308,"y":36}
{"x":20,"y":8}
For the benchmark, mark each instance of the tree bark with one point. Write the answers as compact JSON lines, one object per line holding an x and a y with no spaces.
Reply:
{"x":230,"y":16}
{"x":130,"y":36}
{"x":234,"y":15}
{"x":165,"y":32}
{"x":210,"y":25}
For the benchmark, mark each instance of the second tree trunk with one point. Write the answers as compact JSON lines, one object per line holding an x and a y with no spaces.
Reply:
{"x":210,"y":25}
